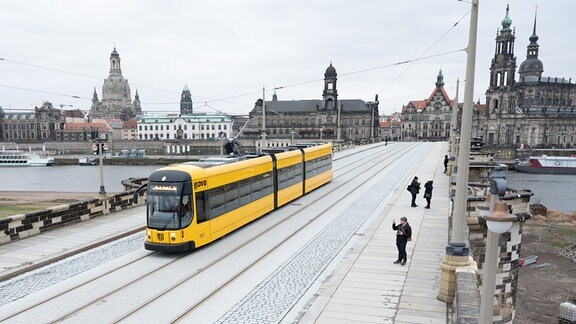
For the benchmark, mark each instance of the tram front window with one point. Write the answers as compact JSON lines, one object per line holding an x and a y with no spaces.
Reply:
{"x":163,"y":212}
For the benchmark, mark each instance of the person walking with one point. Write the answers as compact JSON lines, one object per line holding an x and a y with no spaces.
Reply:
{"x":446,"y":159}
{"x":428,"y":192}
{"x":414,"y":189}
{"x":403,"y":235}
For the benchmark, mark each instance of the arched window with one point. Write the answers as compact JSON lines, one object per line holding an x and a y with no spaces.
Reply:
{"x":329,"y":104}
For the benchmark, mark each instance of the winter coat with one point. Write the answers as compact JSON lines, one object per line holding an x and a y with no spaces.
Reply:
{"x":414,"y":187}
{"x":406,"y":229}
{"x":428,"y":189}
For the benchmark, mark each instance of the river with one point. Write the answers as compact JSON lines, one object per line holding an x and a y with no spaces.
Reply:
{"x":553,"y":191}
{"x":71,"y":178}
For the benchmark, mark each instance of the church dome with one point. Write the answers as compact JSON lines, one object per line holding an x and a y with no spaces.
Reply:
{"x":531,"y":65}
{"x":330,"y":71}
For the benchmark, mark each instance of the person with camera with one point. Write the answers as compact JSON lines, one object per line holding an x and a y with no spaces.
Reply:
{"x":403,"y":235}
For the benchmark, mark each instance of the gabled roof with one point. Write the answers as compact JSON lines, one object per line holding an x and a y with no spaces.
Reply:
{"x":422,"y":104}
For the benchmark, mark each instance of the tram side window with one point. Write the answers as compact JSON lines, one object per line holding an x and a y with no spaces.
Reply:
{"x":256,"y":188}
{"x":244,"y":192}
{"x":217,"y":206}
{"x":200,"y":207}
{"x":231,"y":196}
{"x":266,"y":184}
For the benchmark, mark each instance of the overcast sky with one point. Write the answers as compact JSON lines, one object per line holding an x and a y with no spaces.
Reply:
{"x":224,"y":49}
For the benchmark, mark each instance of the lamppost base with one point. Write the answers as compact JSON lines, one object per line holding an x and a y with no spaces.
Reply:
{"x":102,"y":191}
{"x":457,"y":256}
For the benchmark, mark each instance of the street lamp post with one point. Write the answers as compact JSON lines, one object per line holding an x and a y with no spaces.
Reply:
{"x":321,"y":132}
{"x":498,"y":221}
{"x":100,"y":142}
{"x":292,"y":132}
{"x":457,"y":253}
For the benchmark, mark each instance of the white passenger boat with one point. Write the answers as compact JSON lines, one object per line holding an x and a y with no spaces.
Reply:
{"x":548,"y":164}
{"x":15,"y":158}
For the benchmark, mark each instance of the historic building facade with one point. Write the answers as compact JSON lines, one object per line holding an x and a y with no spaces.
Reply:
{"x":116,"y":99}
{"x":42,"y":124}
{"x":428,"y":119}
{"x":199,"y":126}
{"x":328,"y":119}
{"x":533,"y":112}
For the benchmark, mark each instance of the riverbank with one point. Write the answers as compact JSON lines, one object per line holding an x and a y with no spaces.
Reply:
{"x":152,"y":160}
{"x":21,"y":202}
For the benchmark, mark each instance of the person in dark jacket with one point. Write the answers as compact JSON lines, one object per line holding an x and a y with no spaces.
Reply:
{"x":403,"y":233}
{"x":428,"y":193}
{"x":446,"y":163}
{"x":414,"y":189}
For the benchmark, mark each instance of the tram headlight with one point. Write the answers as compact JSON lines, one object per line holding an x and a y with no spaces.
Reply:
{"x":173,"y":236}
{"x":148,"y":235}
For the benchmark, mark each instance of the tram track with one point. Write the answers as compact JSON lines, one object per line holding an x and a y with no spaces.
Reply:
{"x":219,"y":288}
{"x":393,"y":153}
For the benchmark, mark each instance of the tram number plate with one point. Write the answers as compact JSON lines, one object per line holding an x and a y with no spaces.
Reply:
{"x":160,"y":236}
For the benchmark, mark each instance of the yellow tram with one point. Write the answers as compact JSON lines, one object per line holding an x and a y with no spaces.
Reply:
{"x":192,"y":204}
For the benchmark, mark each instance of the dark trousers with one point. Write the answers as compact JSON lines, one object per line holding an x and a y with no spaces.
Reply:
{"x":428,"y":201}
{"x":401,"y":245}
{"x":413,"y":200}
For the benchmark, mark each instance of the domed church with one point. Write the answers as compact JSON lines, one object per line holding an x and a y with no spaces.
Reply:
{"x":116,"y":99}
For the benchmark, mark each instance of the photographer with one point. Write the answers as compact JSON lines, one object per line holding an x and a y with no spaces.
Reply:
{"x":403,"y":235}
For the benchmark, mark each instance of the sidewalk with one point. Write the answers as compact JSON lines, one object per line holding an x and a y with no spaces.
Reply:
{"x":39,"y":250}
{"x":368,"y":288}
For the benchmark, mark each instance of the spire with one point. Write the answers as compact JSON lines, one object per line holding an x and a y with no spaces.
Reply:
{"x":115,"y":62}
{"x":95,"y":96}
{"x":534,"y":37}
{"x":507,"y":22}
{"x":137,"y":96}
{"x":440,"y":79}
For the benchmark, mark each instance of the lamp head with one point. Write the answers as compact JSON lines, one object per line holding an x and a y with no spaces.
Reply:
{"x":500,"y":221}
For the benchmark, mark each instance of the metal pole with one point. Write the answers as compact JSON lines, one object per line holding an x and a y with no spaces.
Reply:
{"x":263,"y":118}
{"x":489,"y":277}
{"x":339,"y":127}
{"x":102,"y":191}
{"x":454,"y":122}
{"x":459,"y":212}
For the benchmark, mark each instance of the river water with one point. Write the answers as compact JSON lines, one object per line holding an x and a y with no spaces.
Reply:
{"x":72,"y":178}
{"x":553,"y":191}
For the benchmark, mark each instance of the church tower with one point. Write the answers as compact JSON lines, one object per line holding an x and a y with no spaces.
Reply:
{"x":186,"y":102}
{"x":330,"y":93}
{"x":532,"y":66}
{"x":503,"y":67}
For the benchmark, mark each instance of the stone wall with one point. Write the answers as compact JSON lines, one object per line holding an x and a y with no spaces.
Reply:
{"x":466,"y":308}
{"x":24,"y":225}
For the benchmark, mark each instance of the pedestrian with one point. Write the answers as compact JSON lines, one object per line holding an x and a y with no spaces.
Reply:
{"x":414,"y":189}
{"x":403,"y":235}
{"x":428,"y":193}
{"x":446,"y":163}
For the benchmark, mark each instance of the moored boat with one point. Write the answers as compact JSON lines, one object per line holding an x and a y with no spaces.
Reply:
{"x":88,"y":161}
{"x":548,"y":165}
{"x":16,"y":158}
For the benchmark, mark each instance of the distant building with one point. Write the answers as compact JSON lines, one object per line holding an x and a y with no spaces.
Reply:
{"x":42,"y":124}
{"x":327,"y":119}
{"x":533,"y":112}
{"x":186,"y":107}
{"x":391,"y":127}
{"x":130,"y":129}
{"x":116,"y":99}
{"x":84,"y":131}
{"x":199,"y":126}
{"x":428,"y":119}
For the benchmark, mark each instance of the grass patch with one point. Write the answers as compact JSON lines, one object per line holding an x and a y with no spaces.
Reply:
{"x":6,"y":211}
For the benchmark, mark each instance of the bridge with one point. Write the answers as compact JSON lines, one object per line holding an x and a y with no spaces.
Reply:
{"x":324,"y":258}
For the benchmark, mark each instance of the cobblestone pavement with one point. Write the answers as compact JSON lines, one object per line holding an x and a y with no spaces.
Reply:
{"x":271,"y":300}
{"x":33,"y":281}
